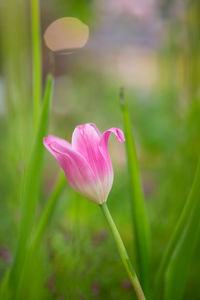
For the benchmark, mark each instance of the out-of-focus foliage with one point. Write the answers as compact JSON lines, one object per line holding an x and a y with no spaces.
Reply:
{"x":153,"y":51}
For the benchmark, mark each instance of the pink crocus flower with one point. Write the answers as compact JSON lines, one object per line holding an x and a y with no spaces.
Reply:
{"x":86,"y":161}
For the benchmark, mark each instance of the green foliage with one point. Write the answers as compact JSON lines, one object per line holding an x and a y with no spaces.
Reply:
{"x":141,"y":230}
{"x":31,"y":186}
{"x":52,"y":249}
{"x":184,"y":240}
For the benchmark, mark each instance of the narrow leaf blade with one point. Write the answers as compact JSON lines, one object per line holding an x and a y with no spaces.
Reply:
{"x":178,"y":268}
{"x":31,"y":185}
{"x":141,"y":228}
{"x":177,"y":236}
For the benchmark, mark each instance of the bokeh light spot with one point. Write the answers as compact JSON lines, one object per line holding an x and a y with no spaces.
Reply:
{"x":66,"y":34}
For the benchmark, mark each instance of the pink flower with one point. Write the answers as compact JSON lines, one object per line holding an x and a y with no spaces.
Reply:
{"x":86,"y":161}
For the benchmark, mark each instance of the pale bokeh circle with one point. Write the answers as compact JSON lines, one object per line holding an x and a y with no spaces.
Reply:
{"x":66,"y":34}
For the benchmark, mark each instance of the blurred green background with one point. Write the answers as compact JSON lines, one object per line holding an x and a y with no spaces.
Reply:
{"x":152,"y":48}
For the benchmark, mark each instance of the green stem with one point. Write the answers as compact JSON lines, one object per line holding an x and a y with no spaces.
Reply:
{"x":36,"y":59}
{"x":123,"y":253}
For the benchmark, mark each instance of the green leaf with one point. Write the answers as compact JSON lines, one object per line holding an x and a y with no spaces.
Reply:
{"x":4,"y":294}
{"x":36,"y":58}
{"x":31,"y":186}
{"x":141,"y":228}
{"x":178,"y":268}
{"x":48,"y":212}
{"x":182,"y":229}
{"x":38,"y":235}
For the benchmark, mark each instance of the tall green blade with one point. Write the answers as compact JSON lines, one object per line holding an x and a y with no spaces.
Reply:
{"x":178,"y":268}
{"x":36,"y":58}
{"x":38,"y":235}
{"x":4,"y":293}
{"x":31,"y":186}
{"x":141,"y":229}
{"x":176,"y":238}
{"x":48,"y":212}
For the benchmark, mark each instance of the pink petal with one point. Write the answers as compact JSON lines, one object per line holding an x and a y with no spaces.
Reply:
{"x":76,"y":168}
{"x":51,"y":139}
{"x":88,"y":141}
{"x":85,"y":140}
{"x":86,"y":162}
{"x":103,"y":145}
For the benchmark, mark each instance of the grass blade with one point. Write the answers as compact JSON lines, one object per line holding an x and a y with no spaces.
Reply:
{"x":177,"y":271}
{"x":4,"y":286}
{"x":48,"y":212}
{"x":40,"y":230}
{"x":140,"y":223}
{"x":175,"y":241}
{"x":31,"y":186}
{"x":37,"y":60}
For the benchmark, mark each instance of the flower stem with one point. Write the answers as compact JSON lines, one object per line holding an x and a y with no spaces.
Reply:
{"x":123,"y":253}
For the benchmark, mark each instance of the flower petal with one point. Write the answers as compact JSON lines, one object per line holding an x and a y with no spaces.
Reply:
{"x":88,"y":141}
{"x":103,"y":145}
{"x":76,"y":168}
{"x":85,"y":140}
{"x":86,"y":162}
{"x":47,"y":141}
{"x":103,"y":148}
